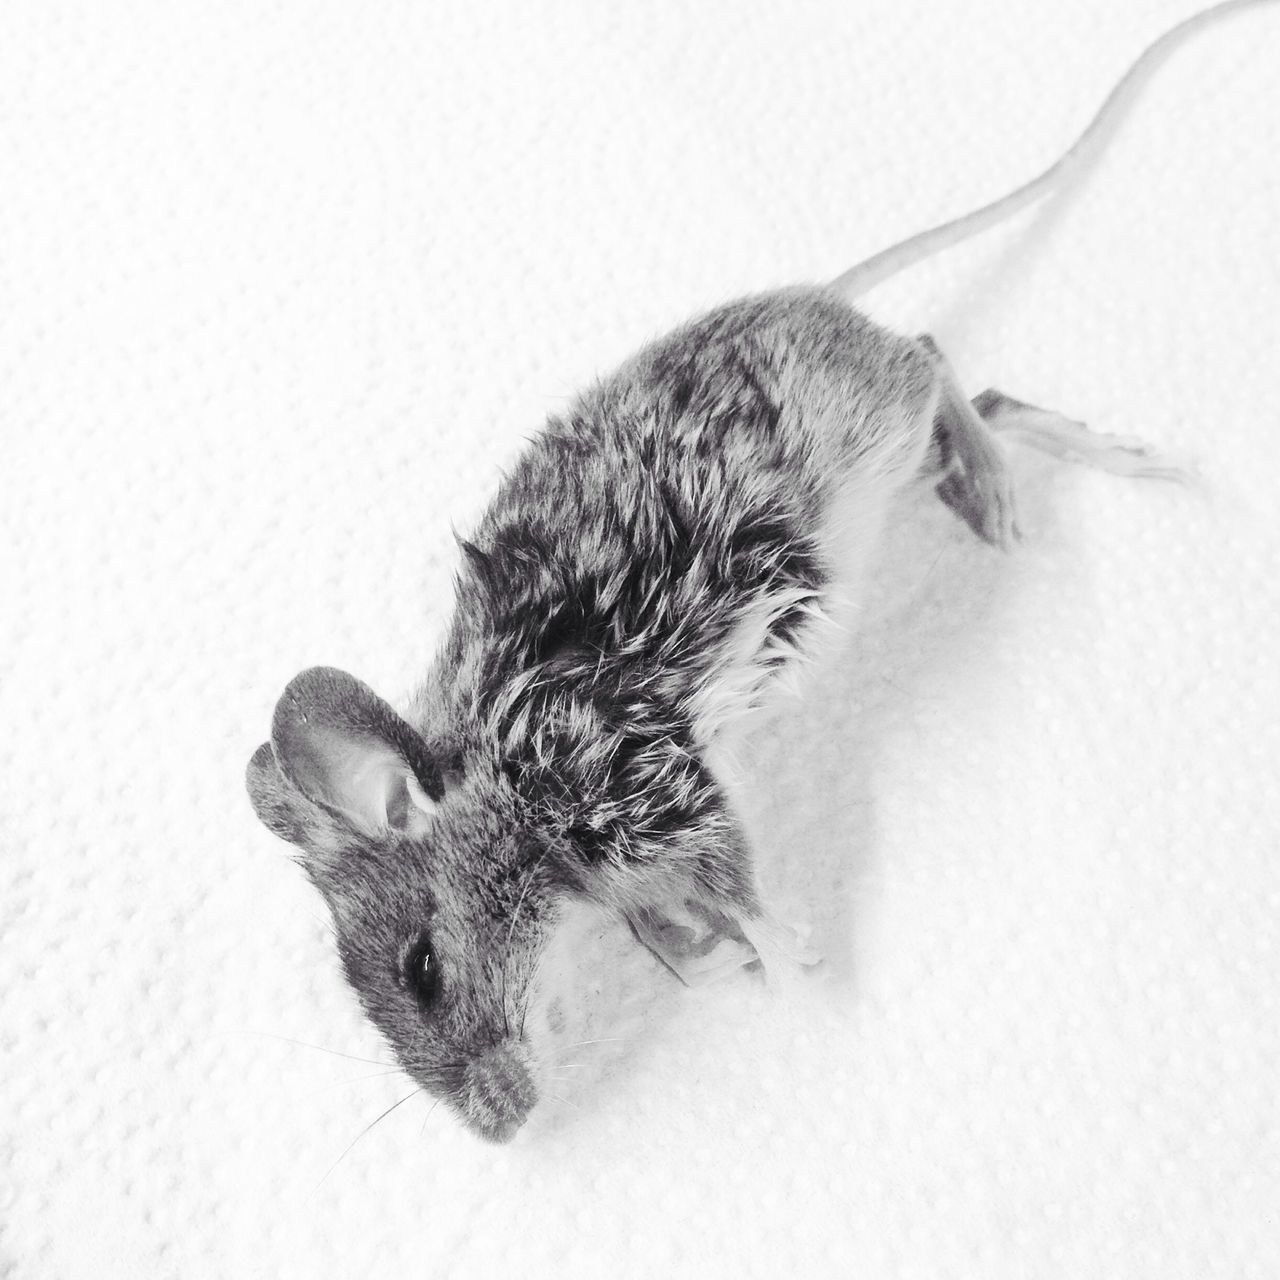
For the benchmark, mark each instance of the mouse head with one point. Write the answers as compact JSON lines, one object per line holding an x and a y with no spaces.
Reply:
{"x":442,"y":903}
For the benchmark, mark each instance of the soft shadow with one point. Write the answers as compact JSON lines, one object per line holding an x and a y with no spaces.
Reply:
{"x":935,"y":600}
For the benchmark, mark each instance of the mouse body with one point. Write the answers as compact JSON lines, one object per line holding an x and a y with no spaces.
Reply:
{"x":649,"y":572}
{"x":653,"y":568}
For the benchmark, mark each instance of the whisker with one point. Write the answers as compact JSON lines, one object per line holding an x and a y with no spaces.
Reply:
{"x":506,"y":1016}
{"x":319,"y":1048}
{"x":373,"y":1075}
{"x":338,"y":1084}
{"x":533,"y":978}
{"x":605,"y":1040}
{"x":515,"y":915}
{"x":561,"y":1098}
{"x":431,"y":1110}
{"x":531,"y":982}
{"x":361,"y":1134}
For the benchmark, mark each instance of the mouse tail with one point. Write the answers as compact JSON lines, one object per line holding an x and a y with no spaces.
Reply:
{"x":889,"y":262}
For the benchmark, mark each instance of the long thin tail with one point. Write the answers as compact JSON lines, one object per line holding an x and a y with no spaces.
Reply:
{"x":888,"y":262}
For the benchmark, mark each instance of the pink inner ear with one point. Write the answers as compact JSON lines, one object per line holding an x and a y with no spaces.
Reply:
{"x":367,"y":781}
{"x":358,"y":776}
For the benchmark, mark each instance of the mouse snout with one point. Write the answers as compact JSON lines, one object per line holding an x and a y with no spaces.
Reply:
{"x":498,"y":1093}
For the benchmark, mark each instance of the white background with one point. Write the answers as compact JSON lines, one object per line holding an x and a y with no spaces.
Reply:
{"x":283,"y":284}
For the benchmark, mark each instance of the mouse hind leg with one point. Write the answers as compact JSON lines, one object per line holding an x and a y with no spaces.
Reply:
{"x":976,"y":481}
{"x":968,"y":449}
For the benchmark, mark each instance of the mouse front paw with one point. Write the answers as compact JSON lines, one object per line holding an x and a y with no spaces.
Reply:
{"x":697,"y":946}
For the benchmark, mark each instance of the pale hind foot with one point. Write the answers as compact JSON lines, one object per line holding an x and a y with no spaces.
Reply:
{"x":1072,"y":441}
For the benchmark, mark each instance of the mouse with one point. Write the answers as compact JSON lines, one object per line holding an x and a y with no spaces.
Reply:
{"x":662,"y":558}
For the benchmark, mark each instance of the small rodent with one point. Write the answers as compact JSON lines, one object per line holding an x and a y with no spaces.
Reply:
{"x":658,"y":558}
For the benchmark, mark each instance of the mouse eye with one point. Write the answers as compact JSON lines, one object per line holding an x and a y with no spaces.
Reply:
{"x":421,"y":973}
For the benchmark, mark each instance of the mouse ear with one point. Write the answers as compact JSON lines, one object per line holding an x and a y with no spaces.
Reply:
{"x":347,"y":752}
{"x":286,"y":812}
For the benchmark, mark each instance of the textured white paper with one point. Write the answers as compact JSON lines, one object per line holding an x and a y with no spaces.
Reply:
{"x":283,"y":285}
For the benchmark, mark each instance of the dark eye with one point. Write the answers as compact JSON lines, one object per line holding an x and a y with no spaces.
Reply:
{"x":421,"y":972}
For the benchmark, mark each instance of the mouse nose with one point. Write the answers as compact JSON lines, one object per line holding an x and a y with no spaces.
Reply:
{"x":498,"y":1093}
